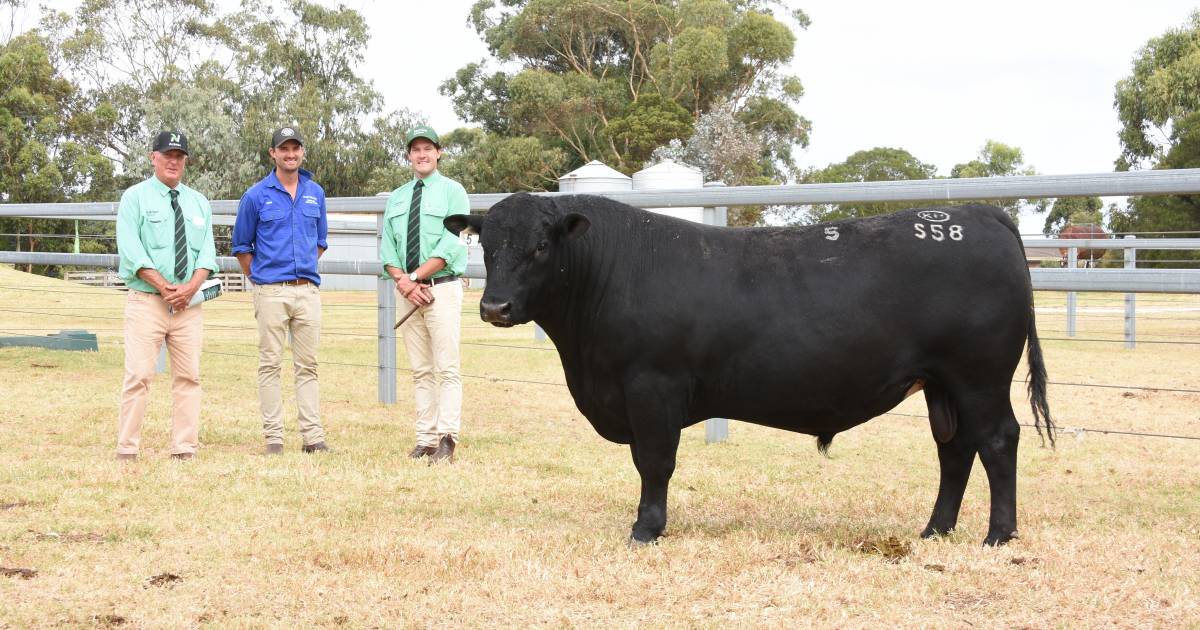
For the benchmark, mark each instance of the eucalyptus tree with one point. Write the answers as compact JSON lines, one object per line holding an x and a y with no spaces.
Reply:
{"x":1158,"y":106}
{"x":612,"y":79}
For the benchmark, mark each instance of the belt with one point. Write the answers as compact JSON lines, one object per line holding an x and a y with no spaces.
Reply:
{"x":294,"y":282}
{"x":432,"y":281}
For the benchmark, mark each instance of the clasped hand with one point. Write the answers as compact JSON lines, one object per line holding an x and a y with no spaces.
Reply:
{"x":415,"y":292}
{"x":179,"y":295}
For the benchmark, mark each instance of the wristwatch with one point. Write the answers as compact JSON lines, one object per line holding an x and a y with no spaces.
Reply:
{"x":413,"y":276}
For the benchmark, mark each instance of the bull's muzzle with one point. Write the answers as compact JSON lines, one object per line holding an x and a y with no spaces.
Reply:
{"x":495,"y":312}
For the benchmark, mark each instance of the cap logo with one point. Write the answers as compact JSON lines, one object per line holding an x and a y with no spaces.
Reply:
{"x":287,"y":132}
{"x":175,"y":138}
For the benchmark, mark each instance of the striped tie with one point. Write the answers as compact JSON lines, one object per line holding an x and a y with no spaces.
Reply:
{"x":181,"y":255}
{"x":413,"y":244}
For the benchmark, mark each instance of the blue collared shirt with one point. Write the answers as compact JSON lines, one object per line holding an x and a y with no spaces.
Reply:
{"x":282,"y":233}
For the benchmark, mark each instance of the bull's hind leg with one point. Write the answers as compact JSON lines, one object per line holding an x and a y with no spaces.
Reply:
{"x":987,"y":426}
{"x":998,"y":452}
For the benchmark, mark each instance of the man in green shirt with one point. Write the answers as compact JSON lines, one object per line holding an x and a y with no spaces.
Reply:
{"x":425,"y":260}
{"x":165,"y":242}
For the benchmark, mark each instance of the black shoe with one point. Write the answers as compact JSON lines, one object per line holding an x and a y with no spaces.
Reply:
{"x":274,"y":449}
{"x":444,"y":452}
{"x":314,"y":448}
{"x":420,"y":451}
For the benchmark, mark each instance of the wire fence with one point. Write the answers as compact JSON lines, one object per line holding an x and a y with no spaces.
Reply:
{"x":367,"y":333}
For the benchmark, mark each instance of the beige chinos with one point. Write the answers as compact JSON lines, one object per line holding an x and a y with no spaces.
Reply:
{"x":280,"y":308}
{"x":431,"y":338}
{"x":148,"y":325}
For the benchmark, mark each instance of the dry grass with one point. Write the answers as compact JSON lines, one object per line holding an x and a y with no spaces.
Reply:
{"x":529,"y":526}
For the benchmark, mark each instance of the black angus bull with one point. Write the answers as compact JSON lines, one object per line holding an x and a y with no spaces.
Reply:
{"x":661,"y":323}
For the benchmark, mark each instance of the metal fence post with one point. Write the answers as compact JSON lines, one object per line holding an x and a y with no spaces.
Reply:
{"x":1072,"y":262}
{"x":1130,"y":299}
{"x":716,"y":429}
{"x":386,"y":315}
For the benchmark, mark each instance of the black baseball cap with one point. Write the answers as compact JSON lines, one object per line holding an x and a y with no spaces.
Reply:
{"x":170,"y":141}
{"x":284,"y":134}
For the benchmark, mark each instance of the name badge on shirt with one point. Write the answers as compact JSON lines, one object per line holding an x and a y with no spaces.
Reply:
{"x":199,"y":221}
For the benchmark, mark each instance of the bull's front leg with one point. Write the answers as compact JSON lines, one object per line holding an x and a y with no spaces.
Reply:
{"x":656,"y":419}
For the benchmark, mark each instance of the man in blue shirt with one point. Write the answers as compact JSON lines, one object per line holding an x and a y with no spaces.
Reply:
{"x":279,"y":234}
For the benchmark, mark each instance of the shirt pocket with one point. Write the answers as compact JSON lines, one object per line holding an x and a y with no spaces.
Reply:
{"x":273,"y":226}
{"x":312,"y":214}
{"x":158,"y":231}
{"x":431,"y":222}
{"x":271,"y":212}
{"x":195,"y":230}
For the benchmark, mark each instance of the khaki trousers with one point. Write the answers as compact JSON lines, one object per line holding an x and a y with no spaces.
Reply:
{"x":431,"y":338}
{"x":147,"y":326}
{"x":280,"y":308}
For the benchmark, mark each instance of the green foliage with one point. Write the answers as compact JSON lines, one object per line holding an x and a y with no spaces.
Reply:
{"x":1178,"y":215}
{"x":1073,"y":211}
{"x":44,"y":151}
{"x":484,"y":162}
{"x":1159,"y":109}
{"x":648,"y":123}
{"x":997,"y":159}
{"x":881,"y":164}
{"x":85,"y":93}
{"x":1163,"y":88}
{"x":612,"y":79}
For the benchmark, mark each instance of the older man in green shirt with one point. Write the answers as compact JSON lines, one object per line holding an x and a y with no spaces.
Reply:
{"x":425,"y":261}
{"x":165,"y":242}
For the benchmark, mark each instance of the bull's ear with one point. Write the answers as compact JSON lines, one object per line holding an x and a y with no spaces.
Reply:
{"x":575,"y":224}
{"x":456,"y":223}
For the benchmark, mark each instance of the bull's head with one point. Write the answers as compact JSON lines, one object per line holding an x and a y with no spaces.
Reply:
{"x":523,"y":240}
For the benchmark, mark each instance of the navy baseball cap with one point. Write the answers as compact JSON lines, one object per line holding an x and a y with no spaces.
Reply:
{"x":170,"y":141}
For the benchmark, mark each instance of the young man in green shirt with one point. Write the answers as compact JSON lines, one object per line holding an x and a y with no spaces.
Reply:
{"x":165,"y":243}
{"x":426,"y":261}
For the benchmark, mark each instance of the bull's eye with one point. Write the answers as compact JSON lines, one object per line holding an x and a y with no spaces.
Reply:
{"x":541,"y":246}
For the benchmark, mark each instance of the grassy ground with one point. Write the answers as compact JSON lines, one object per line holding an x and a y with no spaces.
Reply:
{"x":529,"y":526}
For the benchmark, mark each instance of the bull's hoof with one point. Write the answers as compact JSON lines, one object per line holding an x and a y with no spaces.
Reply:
{"x":634,"y":543}
{"x":931,"y":532}
{"x":996,"y":539}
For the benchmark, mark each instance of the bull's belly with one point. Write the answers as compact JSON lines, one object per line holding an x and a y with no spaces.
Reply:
{"x":813,"y":412}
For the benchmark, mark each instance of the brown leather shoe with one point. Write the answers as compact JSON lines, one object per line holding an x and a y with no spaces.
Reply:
{"x":444,"y":452}
{"x":420,"y":451}
{"x":319,"y":447}
{"x":127,"y":457}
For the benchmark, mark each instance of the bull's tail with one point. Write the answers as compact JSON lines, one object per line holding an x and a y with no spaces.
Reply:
{"x":823,"y":442}
{"x":1037,"y":384}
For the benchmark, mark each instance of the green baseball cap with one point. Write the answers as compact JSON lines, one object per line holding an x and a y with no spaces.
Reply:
{"x":424,"y":131}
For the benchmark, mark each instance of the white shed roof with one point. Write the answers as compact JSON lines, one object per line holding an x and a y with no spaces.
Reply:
{"x":594,"y":170}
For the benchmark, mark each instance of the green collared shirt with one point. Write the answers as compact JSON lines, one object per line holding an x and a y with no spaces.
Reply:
{"x":440,"y":198}
{"x":146,"y":233}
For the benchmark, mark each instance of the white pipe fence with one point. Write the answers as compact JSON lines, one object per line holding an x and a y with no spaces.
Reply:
{"x":1128,"y":280}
